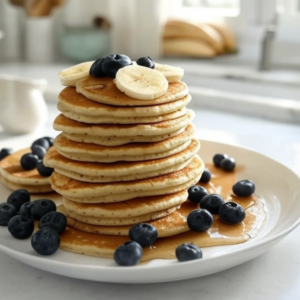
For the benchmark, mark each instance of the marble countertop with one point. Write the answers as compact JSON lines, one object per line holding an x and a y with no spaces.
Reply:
{"x":274,"y":275}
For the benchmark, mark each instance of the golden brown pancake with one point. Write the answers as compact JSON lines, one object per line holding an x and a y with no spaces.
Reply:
{"x":108,"y":192}
{"x":125,"y":209}
{"x":129,"y":152}
{"x":14,"y":176}
{"x":120,"y":171}
{"x":62,"y":123}
{"x":103,"y":90}
{"x":78,"y":103}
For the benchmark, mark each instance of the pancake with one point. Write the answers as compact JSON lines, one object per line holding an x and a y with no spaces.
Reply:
{"x":15,"y":177}
{"x":118,"y":140}
{"x":101,"y":241}
{"x":79,"y":117}
{"x":62,"y":123}
{"x":103,"y":90}
{"x":120,"y":191}
{"x":122,"y":221}
{"x":125,"y":209}
{"x":10,"y":169}
{"x":129,"y":152}
{"x":33,"y":189}
{"x":172,"y":224}
{"x":120,"y":171}
{"x":75,"y":102}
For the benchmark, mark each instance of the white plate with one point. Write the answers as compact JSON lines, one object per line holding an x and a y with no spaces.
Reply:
{"x":276,"y":183}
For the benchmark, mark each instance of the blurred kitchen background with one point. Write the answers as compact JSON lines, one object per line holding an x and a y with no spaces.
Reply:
{"x":46,"y":31}
{"x":238,"y":55}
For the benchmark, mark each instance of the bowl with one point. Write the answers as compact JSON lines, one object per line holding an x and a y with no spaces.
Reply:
{"x":84,"y":44}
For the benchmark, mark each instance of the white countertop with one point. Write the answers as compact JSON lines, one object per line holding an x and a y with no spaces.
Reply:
{"x":274,"y":275}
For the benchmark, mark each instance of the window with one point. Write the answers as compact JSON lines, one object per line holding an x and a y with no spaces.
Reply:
{"x":227,"y":8}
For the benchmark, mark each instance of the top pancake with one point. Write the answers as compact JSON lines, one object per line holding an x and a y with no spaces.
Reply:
{"x":103,"y":90}
{"x":78,"y":103}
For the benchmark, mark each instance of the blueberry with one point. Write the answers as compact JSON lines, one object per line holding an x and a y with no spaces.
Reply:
{"x":18,"y":198}
{"x":244,"y":188}
{"x":45,"y":241}
{"x":212,"y":203}
{"x":7,"y":211}
{"x":43,"y":170}
{"x":232,"y":213}
{"x":146,"y":61}
{"x":55,"y":220}
{"x":196,"y":193}
{"x":42,"y":207}
{"x":5,"y":152}
{"x":50,"y":140}
{"x":186,"y":252}
{"x":25,"y":209}
{"x":96,"y":68}
{"x":218,"y":158}
{"x":206,"y":176}
{"x":44,"y":142}
{"x":199,"y":220}
{"x":29,"y":161}
{"x":227,"y":164}
{"x":112,"y":63}
{"x":128,"y":254}
{"x":21,"y":227}
{"x":38,"y":150}
{"x":143,"y":233}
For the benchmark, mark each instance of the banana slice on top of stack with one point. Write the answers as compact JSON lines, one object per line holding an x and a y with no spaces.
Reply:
{"x":127,"y":151}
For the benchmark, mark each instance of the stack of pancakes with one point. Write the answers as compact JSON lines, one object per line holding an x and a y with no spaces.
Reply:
{"x":119,"y":161}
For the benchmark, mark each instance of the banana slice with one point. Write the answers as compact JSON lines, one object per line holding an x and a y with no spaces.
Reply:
{"x":140,"y":82}
{"x":70,"y":76}
{"x":173,"y":74}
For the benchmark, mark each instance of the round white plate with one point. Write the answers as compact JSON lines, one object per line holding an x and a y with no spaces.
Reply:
{"x":275,"y":182}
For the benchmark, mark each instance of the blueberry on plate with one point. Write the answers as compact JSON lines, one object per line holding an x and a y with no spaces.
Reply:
{"x":227,"y":164}
{"x":38,"y":150}
{"x":29,"y":161}
{"x":212,"y":203}
{"x":55,"y":220}
{"x":96,"y":68}
{"x":196,"y":193}
{"x":43,"y":141}
{"x":25,"y":209}
{"x":7,"y":211}
{"x":146,"y":61}
{"x":128,"y":254}
{"x":145,"y":234}
{"x":112,"y":63}
{"x":45,"y":241}
{"x":232,"y":213}
{"x":5,"y":152}
{"x":244,"y":188}
{"x":42,"y":207}
{"x":199,"y":220}
{"x":18,"y":198}
{"x":186,"y":252}
{"x":43,"y":170}
{"x":217,"y":158}
{"x":50,"y":140}
{"x":21,"y":227}
{"x":206,"y":176}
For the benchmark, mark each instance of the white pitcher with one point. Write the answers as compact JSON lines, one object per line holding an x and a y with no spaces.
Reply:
{"x":22,"y":105}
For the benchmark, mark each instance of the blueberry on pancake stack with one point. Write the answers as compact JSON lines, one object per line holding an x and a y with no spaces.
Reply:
{"x":127,"y":151}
